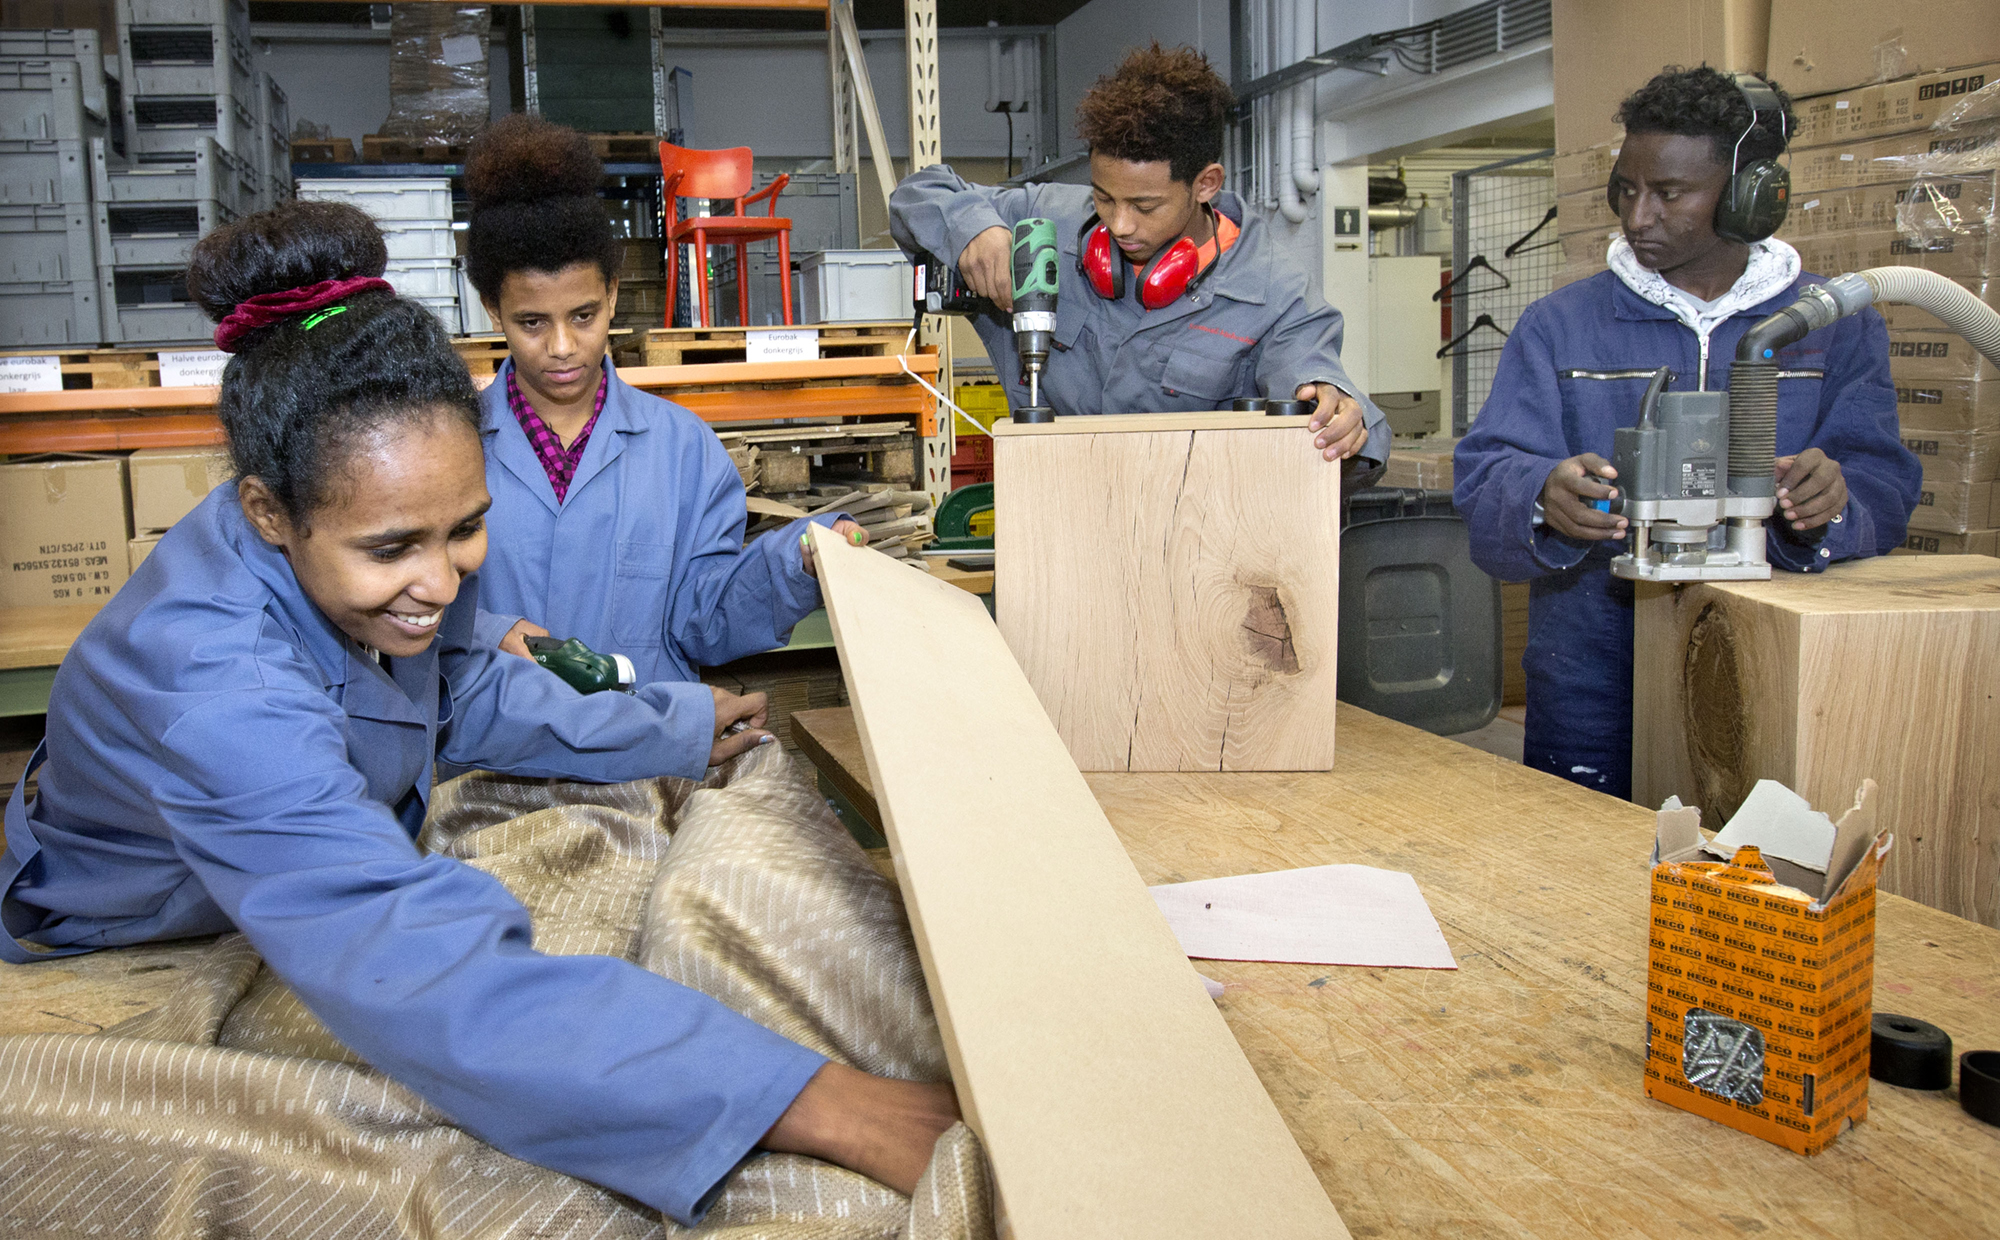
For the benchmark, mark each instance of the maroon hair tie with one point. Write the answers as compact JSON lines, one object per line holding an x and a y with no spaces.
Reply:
{"x":268,"y":308}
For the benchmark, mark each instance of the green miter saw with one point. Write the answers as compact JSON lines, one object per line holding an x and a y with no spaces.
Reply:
{"x":582,"y":668}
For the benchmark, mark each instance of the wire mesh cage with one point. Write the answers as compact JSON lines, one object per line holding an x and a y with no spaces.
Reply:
{"x":1504,"y":255}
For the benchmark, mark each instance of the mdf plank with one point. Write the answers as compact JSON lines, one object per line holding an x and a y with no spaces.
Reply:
{"x":1172,"y":589}
{"x":1882,"y":668}
{"x":1111,"y":1097}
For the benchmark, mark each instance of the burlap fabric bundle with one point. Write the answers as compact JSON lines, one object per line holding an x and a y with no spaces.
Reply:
{"x":230,"y":1113}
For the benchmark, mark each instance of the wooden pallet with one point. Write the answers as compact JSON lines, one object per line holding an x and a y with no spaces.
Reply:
{"x":108,"y":369}
{"x":625,"y":148}
{"x":376,"y":149}
{"x":690,"y":346}
{"x":336,"y":151}
{"x":790,"y":460}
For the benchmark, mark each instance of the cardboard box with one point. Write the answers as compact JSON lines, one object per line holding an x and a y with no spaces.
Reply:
{"x":1938,"y":356}
{"x":1946,"y":404}
{"x":1606,"y":49}
{"x":1761,"y":966}
{"x":137,"y":549}
{"x":1587,"y":170}
{"x":1974,"y":256}
{"x":63,"y":528}
{"x":1585,"y":249}
{"x":1910,"y":318}
{"x":168,"y":482}
{"x":1894,"y":160}
{"x":1817,"y":46}
{"x":1589,"y":211}
{"x":1972,"y":542}
{"x":1424,"y":463}
{"x":1935,"y":206}
{"x":1956,"y":507}
{"x":1956,"y":456}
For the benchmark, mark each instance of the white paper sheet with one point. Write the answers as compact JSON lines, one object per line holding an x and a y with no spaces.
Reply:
{"x":1326,"y":914}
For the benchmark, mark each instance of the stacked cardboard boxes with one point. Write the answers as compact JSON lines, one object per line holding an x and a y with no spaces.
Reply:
{"x":1875,"y":184}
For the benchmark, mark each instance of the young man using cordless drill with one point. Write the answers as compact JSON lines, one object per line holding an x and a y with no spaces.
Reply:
{"x":1691,"y":271}
{"x":1173,"y":295}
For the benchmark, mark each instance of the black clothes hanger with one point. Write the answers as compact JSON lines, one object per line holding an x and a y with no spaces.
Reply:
{"x":1521,"y":245}
{"x":1478,"y":261}
{"x":1484,"y":320}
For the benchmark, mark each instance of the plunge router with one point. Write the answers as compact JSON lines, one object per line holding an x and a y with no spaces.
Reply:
{"x":1036,"y":271}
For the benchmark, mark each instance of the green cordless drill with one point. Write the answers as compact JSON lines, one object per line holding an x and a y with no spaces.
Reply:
{"x":1037,"y":264}
{"x":582,"y":668}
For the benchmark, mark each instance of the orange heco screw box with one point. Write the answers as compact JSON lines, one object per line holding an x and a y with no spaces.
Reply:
{"x":1761,"y":969}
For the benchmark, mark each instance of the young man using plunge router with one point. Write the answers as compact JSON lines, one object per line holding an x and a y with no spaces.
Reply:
{"x":1174,"y":296}
{"x":1698,"y":194}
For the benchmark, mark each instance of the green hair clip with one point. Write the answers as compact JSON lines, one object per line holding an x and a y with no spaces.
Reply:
{"x":315,"y":319}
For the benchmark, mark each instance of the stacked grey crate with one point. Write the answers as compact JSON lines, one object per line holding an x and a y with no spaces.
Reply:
{"x":53,"y":101}
{"x":148,"y":218}
{"x":198,"y":123}
{"x":415,"y":217}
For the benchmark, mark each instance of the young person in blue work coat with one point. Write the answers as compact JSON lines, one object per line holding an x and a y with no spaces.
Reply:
{"x":1680,"y":293}
{"x":617,"y":517}
{"x":1173,"y":294}
{"x":243,"y":739}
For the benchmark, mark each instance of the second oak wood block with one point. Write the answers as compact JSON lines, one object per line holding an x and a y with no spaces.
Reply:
{"x":1879,"y":669}
{"x":1171,"y":584}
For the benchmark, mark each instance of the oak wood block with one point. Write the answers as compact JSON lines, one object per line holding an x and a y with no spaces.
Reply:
{"x":1170,"y":584}
{"x":1883,"y":669}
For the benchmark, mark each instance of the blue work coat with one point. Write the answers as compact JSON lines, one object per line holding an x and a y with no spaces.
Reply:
{"x":220,"y":756}
{"x":645,"y":554}
{"x":1565,"y":382}
{"x":1252,"y":327}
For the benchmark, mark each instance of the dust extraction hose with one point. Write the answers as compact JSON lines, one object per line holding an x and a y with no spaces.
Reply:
{"x":1753,"y":375}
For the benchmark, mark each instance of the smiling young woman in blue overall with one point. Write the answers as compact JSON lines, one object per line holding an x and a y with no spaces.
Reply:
{"x":243,"y":739}
{"x":617,"y":517}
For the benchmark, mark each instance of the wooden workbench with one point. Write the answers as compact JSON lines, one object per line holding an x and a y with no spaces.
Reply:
{"x":1504,"y":1099}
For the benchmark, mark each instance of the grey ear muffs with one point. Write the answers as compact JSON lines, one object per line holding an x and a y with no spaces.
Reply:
{"x":1754,"y":202}
{"x":1756,"y":197}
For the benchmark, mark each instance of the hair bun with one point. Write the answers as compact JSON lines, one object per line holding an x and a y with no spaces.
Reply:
{"x":289,"y":246}
{"x":521,"y":158}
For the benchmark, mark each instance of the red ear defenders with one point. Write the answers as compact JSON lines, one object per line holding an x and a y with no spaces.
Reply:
{"x":1164,"y":278}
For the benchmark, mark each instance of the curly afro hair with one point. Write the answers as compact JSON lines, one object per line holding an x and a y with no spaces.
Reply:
{"x":533,"y":187}
{"x":1160,"y":104}
{"x":298,"y":395}
{"x":1705,"y":103}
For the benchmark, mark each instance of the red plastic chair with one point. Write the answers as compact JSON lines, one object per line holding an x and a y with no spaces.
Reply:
{"x":721,"y":174}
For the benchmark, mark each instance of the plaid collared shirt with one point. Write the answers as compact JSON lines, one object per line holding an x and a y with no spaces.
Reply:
{"x":557,"y":461}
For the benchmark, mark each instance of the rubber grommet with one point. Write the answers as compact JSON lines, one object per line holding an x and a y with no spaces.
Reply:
{"x":1286,"y":408}
{"x":1912,"y":1053}
{"x":1248,"y":404}
{"x":1979,"y":1085}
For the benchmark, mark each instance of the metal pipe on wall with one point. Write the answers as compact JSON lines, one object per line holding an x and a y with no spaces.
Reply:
{"x":1305,"y":42}
{"x":1284,"y":19}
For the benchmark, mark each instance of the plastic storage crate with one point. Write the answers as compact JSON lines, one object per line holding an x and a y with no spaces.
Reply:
{"x":155,"y":234}
{"x":446,"y":310}
{"x":47,"y":243}
{"x":214,"y":176}
{"x":83,"y":46}
{"x":420,"y":240}
{"x":841,"y":286}
{"x":274,"y":139}
{"x":821,"y":207}
{"x":52,"y":170}
{"x":149,"y":306}
{"x":167,"y":128}
{"x":185,"y":60}
{"x":43,"y":99}
{"x":410,"y":200}
{"x":1419,"y":635}
{"x":38,"y":313}
{"x":423,"y":278}
{"x":233,"y":13}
